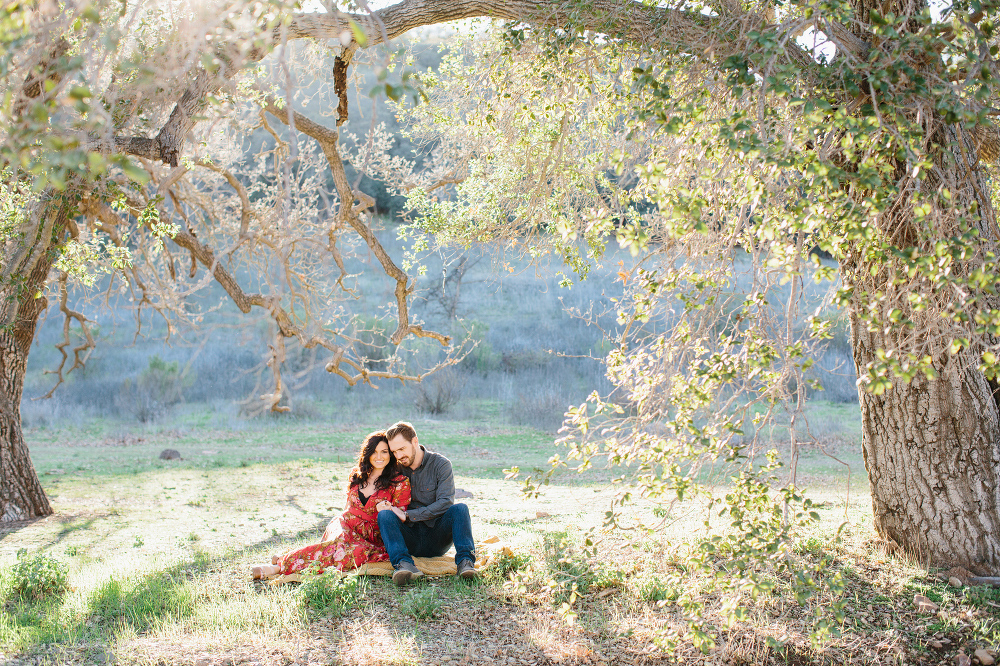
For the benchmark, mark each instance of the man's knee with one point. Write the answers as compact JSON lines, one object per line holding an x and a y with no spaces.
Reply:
{"x":458,"y":517}
{"x":459,"y":509}
{"x":387,"y":518}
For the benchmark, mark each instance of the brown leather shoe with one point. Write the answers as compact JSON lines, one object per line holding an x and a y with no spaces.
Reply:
{"x":405,"y":572}
{"x":467,"y":570}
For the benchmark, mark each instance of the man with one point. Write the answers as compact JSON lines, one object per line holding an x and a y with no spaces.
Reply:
{"x":433,"y":521}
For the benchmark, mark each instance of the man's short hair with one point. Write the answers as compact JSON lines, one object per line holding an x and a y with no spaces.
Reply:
{"x":401,"y":428}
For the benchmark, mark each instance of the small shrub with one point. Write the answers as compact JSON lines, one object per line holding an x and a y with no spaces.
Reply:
{"x":37,"y":577}
{"x":983,"y":595}
{"x":811,"y":545}
{"x":653,"y":587}
{"x":573,"y":570}
{"x":421,"y":604}
{"x":565,"y":572}
{"x":505,"y":565}
{"x":148,"y":396}
{"x":439,"y":392}
{"x":330,"y":593}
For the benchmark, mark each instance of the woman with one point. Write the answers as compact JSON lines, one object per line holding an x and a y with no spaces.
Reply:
{"x":374,"y":481}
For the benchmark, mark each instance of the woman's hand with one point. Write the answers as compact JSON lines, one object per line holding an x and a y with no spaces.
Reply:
{"x":386,"y":506}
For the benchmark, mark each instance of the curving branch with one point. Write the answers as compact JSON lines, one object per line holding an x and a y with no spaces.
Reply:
{"x":625,"y":19}
{"x":200,"y":253}
{"x":85,"y":349}
{"x":340,"y":364}
{"x":350,"y":213}
{"x":275,"y":362}
{"x":661,"y":27}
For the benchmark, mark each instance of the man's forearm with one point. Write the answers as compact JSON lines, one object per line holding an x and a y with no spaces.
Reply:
{"x":432,"y":510}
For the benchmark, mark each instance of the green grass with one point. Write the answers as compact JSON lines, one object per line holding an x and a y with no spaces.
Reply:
{"x":158,"y":555}
{"x":421,"y":603}
{"x":108,"y":447}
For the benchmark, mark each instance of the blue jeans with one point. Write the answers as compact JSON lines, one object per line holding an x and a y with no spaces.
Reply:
{"x":404,"y":540}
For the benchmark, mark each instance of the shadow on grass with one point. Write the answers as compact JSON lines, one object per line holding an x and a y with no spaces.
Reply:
{"x":143,"y":603}
{"x":447,"y":619}
{"x":292,"y":501}
{"x":122,"y":604}
{"x":9,"y":528}
{"x":69,"y":526}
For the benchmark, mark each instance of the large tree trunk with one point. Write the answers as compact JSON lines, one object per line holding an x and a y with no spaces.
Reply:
{"x":21,"y":493}
{"x":932,"y":447}
{"x":932,"y":452}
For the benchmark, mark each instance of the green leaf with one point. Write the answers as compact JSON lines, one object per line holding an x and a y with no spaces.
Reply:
{"x":96,"y":164}
{"x":135,"y":173}
{"x":359,"y":34}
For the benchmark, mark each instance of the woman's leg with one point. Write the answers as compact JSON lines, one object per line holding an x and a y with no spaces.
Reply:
{"x":300,"y":559}
{"x":259,"y":571}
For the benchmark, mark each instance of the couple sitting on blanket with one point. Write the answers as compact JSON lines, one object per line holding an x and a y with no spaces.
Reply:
{"x":400,"y":504}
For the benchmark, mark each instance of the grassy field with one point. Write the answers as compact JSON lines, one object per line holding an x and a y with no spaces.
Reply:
{"x":158,"y":554}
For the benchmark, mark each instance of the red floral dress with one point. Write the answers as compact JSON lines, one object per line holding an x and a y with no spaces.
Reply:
{"x":359,"y":540}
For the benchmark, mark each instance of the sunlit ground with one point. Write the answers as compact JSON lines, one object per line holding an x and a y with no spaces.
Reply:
{"x":158,"y":554}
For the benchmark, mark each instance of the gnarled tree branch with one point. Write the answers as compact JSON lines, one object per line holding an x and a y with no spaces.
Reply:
{"x":662,"y":27}
{"x":349,"y":213}
{"x":86,"y":348}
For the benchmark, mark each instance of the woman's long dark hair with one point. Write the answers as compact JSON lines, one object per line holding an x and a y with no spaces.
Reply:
{"x":359,"y":475}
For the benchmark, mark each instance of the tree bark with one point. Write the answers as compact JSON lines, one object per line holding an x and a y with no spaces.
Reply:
{"x":21,"y":493}
{"x":932,"y":453}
